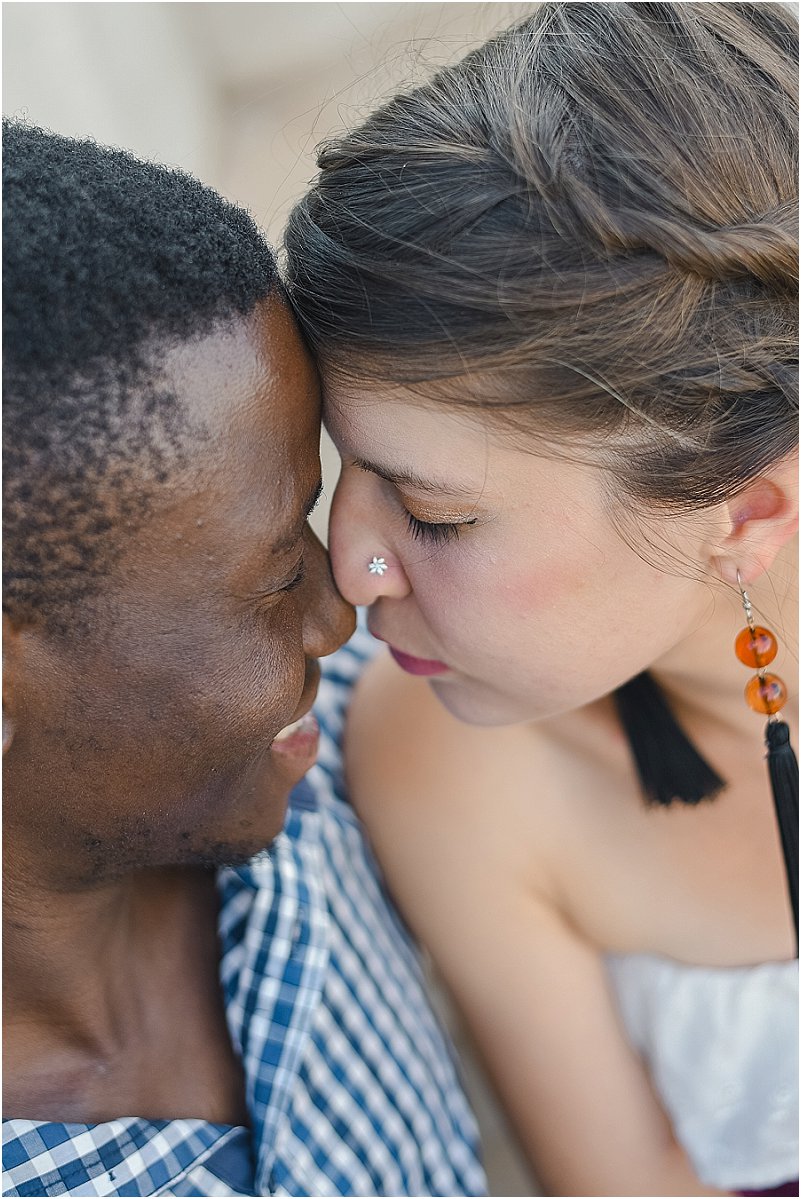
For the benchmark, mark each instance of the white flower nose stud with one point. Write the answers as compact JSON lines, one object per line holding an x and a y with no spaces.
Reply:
{"x":378,"y":566}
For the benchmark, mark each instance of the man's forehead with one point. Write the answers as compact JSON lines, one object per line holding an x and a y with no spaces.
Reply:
{"x":220,"y":367}
{"x":255,"y":401}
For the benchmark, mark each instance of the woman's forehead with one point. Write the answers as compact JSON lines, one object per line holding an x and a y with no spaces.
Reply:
{"x":439,"y":452}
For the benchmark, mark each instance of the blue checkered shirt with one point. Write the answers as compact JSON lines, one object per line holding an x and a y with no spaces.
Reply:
{"x":351,"y":1087}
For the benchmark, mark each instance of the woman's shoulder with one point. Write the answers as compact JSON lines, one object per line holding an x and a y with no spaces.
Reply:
{"x":431,"y":788}
{"x":399,"y":737}
{"x":397,"y":730}
{"x":521,"y":808}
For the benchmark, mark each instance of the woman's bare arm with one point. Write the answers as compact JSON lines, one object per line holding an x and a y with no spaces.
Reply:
{"x":532,"y":990}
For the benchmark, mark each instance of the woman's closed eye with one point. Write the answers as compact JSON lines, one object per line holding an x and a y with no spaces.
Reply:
{"x":436,"y":532}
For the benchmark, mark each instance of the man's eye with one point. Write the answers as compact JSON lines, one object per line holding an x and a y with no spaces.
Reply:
{"x":423,"y":530}
{"x":298,"y":579}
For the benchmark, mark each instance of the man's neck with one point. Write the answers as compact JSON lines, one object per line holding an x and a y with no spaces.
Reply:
{"x":71,"y":957}
{"x":101,"y":984}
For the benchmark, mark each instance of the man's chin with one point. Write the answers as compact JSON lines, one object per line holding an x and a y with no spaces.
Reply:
{"x":125,"y":852}
{"x":223,"y":853}
{"x":244,"y":828}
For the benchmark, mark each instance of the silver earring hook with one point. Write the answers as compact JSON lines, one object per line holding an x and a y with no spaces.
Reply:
{"x":749,"y":613}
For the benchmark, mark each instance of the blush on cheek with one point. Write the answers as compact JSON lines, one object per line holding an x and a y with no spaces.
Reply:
{"x":528,"y":592}
{"x":520,"y":591}
{"x":557,"y":581}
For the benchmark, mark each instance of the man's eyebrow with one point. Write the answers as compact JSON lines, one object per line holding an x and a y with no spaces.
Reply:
{"x":408,"y":478}
{"x":284,"y":544}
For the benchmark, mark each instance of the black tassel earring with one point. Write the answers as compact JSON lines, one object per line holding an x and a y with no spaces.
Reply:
{"x":669,"y":766}
{"x":766,"y":693}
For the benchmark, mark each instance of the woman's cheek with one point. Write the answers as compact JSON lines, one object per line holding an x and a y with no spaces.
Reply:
{"x":527,"y":591}
{"x":472,"y":606}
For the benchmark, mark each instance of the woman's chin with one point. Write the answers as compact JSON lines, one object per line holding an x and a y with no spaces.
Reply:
{"x":479,"y":704}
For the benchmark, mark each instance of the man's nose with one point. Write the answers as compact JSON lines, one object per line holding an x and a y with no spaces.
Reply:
{"x":328,"y":620}
{"x":365,"y":562}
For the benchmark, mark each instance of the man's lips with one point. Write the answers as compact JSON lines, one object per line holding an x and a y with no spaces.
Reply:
{"x":422,"y":666}
{"x":300,"y":738}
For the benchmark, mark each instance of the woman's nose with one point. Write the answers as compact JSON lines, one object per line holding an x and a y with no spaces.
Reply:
{"x":365,"y":563}
{"x":328,"y":620}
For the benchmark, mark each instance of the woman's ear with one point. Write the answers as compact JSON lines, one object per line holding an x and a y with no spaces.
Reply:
{"x":760,"y":520}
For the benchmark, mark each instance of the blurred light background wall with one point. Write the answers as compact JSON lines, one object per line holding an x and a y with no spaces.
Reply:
{"x":239,"y":94}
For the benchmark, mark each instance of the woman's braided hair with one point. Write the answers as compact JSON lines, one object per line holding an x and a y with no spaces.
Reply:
{"x":589,"y":225}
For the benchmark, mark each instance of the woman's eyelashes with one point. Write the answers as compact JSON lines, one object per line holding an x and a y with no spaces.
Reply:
{"x":434,"y":532}
{"x":423,"y":530}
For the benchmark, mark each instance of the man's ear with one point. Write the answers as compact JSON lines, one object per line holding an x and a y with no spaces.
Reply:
{"x":10,"y":671}
{"x":760,"y":520}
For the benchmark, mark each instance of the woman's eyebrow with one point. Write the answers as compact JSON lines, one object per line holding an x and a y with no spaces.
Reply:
{"x":408,"y":478}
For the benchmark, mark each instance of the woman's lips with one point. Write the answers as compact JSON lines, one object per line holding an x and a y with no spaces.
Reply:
{"x":423,"y":666}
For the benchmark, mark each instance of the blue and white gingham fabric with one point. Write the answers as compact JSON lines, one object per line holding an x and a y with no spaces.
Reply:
{"x":351,"y":1086}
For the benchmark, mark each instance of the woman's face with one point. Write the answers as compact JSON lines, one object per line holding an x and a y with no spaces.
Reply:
{"x":508,"y":569}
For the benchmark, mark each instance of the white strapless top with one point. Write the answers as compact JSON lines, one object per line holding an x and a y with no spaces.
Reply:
{"x":721,"y":1045}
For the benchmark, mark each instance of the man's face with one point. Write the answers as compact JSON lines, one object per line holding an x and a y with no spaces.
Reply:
{"x":150,"y":741}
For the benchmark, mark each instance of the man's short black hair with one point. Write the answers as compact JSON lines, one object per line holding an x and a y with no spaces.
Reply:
{"x":106,"y":260}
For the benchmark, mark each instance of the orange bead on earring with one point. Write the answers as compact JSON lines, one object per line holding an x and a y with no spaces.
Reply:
{"x":766,"y":693}
{"x":757,"y":646}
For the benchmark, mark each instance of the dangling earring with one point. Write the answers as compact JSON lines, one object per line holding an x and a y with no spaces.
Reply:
{"x":766,"y":693}
{"x":669,"y":766}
